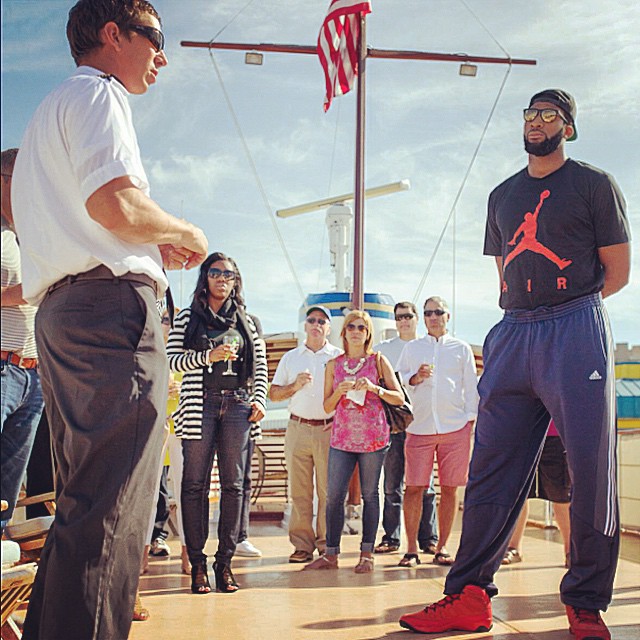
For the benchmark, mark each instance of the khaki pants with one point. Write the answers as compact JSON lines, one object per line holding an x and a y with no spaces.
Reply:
{"x":306,"y":450}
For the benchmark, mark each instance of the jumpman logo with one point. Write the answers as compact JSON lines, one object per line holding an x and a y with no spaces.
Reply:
{"x":529,"y":242}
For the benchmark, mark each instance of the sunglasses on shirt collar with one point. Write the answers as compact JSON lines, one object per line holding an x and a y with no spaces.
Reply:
{"x":153,"y":35}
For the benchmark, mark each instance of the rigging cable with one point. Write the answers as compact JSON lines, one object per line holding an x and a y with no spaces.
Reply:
{"x":460,"y":189}
{"x":254,"y":170}
{"x":473,"y":159}
{"x":453,"y":208}
{"x":246,"y":6}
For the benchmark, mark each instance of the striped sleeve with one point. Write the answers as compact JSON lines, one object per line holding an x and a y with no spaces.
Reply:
{"x":181,"y":359}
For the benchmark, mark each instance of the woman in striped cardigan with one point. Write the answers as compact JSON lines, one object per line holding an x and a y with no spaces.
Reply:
{"x":218,"y":348}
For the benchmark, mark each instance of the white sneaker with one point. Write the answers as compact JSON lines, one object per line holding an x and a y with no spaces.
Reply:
{"x":247,"y":550}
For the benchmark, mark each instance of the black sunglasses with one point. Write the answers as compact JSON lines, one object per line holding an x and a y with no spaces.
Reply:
{"x":404,"y":316}
{"x":320,"y":321}
{"x":153,"y":35}
{"x":216,"y":273}
{"x":547,"y":115}
{"x":429,"y":312}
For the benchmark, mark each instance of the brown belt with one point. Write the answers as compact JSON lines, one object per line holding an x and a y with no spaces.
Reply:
{"x":14,"y":358}
{"x":104,"y":273}
{"x":313,"y":423}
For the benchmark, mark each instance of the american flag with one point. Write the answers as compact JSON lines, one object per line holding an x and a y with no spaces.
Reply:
{"x":338,"y":45}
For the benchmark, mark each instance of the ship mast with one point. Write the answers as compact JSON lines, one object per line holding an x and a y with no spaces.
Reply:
{"x":364,"y":52}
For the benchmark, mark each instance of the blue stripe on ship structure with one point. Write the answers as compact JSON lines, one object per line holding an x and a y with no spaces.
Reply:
{"x":377,"y":305}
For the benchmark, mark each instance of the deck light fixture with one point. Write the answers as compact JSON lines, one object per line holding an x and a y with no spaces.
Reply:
{"x":253,"y":57}
{"x":467,"y":69}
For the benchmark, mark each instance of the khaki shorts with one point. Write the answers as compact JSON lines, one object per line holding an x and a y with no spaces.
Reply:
{"x":452,"y":450}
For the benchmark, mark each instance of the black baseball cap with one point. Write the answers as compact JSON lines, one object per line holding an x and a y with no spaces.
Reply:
{"x":564,"y":101}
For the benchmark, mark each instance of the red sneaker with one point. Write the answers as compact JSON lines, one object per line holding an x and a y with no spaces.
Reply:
{"x":466,"y":611}
{"x":586,"y":624}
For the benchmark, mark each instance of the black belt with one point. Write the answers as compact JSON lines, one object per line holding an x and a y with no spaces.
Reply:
{"x":104,"y":273}
{"x":313,"y":423}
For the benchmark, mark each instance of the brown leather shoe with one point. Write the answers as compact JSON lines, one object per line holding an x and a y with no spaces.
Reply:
{"x":300,"y":557}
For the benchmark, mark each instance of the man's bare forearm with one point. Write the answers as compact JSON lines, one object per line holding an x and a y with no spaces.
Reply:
{"x":127,"y":212}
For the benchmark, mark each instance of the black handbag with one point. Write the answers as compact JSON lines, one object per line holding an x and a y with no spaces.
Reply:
{"x":399,"y":417}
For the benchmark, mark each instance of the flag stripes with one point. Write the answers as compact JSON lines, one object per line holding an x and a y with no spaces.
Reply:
{"x":338,"y":46}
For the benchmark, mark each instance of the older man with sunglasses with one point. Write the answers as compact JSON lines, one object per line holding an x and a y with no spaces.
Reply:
{"x":94,"y":246}
{"x":559,"y":234}
{"x":299,"y":378}
{"x":440,"y":373}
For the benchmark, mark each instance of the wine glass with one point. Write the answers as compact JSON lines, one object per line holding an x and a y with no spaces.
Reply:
{"x":234,"y":343}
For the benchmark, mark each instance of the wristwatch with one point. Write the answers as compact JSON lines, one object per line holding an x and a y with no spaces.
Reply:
{"x":380,"y":391}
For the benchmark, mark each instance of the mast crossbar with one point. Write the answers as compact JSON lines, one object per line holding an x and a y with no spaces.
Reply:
{"x":389,"y":54}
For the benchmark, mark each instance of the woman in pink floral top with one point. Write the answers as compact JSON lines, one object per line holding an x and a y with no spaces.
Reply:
{"x":360,"y":434}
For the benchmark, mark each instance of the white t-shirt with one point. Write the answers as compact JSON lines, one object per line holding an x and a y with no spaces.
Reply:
{"x":80,"y":138}
{"x":392,"y":349}
{"x":447,"y":400}
{"x":306,"y":402}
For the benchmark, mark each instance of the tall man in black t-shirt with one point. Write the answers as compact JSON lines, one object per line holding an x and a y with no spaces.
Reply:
{"x":560,"y":237}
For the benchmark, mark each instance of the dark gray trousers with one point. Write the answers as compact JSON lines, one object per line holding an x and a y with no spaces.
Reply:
{"x":105,"y":379}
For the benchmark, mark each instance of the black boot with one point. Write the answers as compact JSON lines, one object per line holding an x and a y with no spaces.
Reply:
{"x":225,"y":582}
{"x":200,"y":579}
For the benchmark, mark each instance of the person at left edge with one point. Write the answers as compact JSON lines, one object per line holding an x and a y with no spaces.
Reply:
{"x":21,"y":392}
{"x":93,"y":249}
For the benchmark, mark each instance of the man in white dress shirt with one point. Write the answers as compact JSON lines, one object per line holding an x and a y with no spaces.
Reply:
{"x":441,"y":376}
{"x":299,"y":378}
{"x":406,"y":316}
{"x":94,"y":245}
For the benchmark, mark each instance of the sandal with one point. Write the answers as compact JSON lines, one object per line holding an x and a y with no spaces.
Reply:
{"x":200,"y":579}
{"x":443,"y":559}
{"x":512,"y":556}
{"x":140,"y":613}
{"x":409,"y":560}
{"x":365,"y":565}
{"x":322,"y":563}
{"x":386,"y":547}
{"x":225,"y":582}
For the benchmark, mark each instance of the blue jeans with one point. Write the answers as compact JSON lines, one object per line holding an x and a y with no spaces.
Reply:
{"x":225,"y":432}
{"x":393,"y":481}
{"x":243,"y":534}
{"x":341,"y":466}
{"x":22,"y":405}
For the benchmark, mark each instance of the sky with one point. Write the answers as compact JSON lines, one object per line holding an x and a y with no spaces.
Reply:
{"x":424,"y":124}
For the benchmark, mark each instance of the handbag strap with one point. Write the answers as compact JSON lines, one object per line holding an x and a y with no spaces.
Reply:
{"x":378,"y":367}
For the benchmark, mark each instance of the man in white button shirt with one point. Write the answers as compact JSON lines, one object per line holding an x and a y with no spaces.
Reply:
{"x":300,"y":379}
{"x":94,"y":245}
{"x":406,"y":316}
{"x":441,"y":376}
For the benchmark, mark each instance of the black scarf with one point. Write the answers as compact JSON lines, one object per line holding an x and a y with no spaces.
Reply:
{"x":230,"y":316}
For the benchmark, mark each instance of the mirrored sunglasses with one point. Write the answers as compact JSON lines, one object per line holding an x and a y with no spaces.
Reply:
{"x":153,"y":35}
{"x":216,"y":273}
{"x":429,"y":312}
{"x":546,"y":115}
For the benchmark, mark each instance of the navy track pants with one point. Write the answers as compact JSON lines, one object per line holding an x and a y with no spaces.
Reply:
{"x":556,"y":361}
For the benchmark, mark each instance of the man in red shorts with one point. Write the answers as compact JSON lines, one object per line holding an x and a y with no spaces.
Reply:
{"x":441,"y":375}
